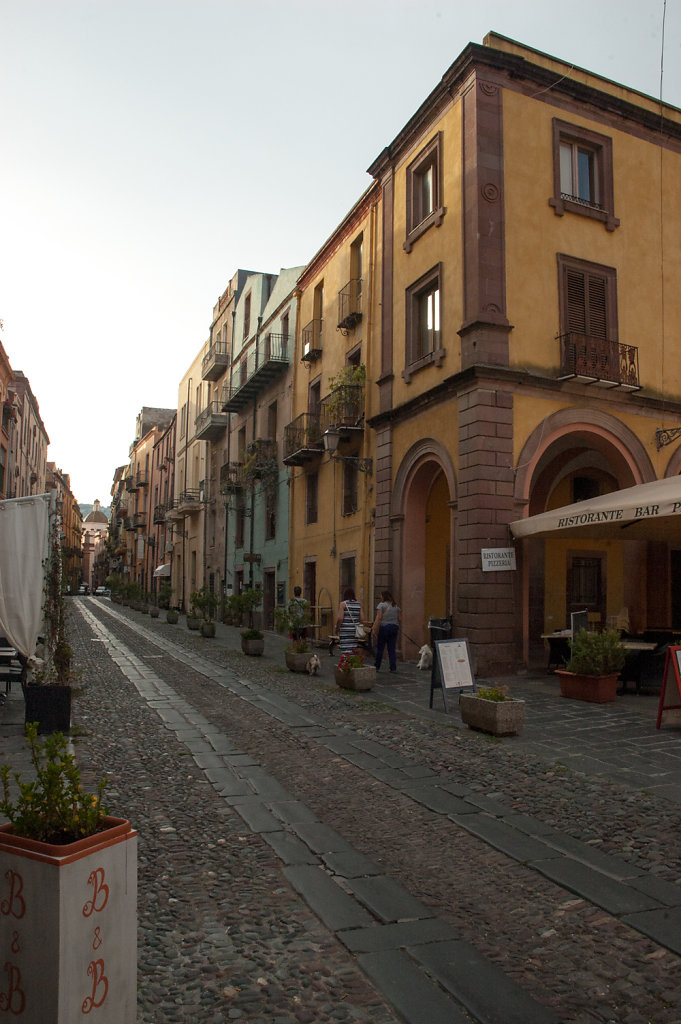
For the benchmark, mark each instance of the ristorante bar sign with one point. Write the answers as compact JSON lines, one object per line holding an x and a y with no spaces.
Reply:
{"x":613,"y":515}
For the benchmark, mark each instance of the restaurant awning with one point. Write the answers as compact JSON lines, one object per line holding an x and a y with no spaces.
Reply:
{"x":162,"y":570}
{"x":649,"y":511}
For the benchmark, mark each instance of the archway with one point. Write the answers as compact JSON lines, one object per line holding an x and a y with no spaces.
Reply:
{"x":423,"y":543}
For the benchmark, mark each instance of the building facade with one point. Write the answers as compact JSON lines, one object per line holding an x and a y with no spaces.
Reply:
{"x":528,"y":327}
{"x":29,"y":441}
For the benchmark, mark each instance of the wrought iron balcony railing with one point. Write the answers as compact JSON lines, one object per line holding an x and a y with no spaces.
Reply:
{"x":231,"y":480}
{"x":140,"y":520}
{"x":302,"y":439}
{"x":598,"y":361}
{"x":350,"y":305}
{"x":211,"y":422}
{"x":159,"y":514}
{"x":262,"y":362}
{"x":215,"y":361}
{"x":311,"y":337}
{"x":343,"y":409}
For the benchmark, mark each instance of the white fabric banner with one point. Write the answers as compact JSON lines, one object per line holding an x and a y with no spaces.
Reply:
{"x":24,"y":532}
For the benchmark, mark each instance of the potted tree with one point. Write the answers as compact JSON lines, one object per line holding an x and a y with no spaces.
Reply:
{"x":194,"y":615}
{"x":172,"y":616}
{"x":206,"y":602}
{"x":68,"y":895}
{"x":353,"y":674}
{"x":294,"y":620}
{"x":252,"y":642}
{"x":490,"y":709}
{"x":596,"y":660}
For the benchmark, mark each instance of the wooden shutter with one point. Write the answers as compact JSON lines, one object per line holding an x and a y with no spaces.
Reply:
{"x":586,"y":303}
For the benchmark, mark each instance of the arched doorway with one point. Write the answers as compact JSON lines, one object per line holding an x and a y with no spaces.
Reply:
{"x":422,"y":504}
{"x":573,"y":456}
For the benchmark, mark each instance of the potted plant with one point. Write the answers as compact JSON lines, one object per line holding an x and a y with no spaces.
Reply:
{"x":353,"y":674}
{"x":252,"y":642}
{"x":596,"y":660}
{"x":294,"y":620}
{"x":172,"y":616}
{"x":490,"y":709}
{"x":194,"y":613}
{"x":68,"y":891}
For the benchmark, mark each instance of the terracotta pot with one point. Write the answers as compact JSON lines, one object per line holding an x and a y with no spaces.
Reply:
{"x":499,"y":718}
{"x":596,"y":689}
{"x":357,"y":678}
{"x":69,"y":942}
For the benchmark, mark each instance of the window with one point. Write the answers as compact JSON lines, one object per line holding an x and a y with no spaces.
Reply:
{"x":311,"y":497}
{"x":350,"y":488}
{"x":424,"y":316}
{"x":424,"y":191}
{"x":247,"y":316}
{"x":271,"y":497}
{"x":272,"y":421}
{"x":583,"y":173}
{"x":588,"y":298}
{"x":347,"y":573}
{"x":588,"y":319}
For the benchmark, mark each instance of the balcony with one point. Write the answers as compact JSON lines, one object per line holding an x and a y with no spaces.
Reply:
{"x":343,"y":410}
{"x":130,"y":483}
{"x":263,"y":362}
{"x":211,"y":422}
{"x":187,"y":503}
{"x":231,"y":479}
{"x":122,"y":507}
{"x":607,"y":364}
{"x":159,"y":515}
{"x":302,"y":440}
{"x":129,"y":524}
{"x":215,"y":361}
{"x":142,"y":480}
{"x":311,"y":337}
{"x":139,"y":520}
{"x":350,"y":305}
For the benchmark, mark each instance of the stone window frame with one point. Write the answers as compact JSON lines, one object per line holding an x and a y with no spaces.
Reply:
{"x":430,"y":156}
{"x":601,"y":145}
{"x":425,"y":284}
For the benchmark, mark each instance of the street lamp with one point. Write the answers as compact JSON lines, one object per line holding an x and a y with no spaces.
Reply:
{"x":331,"y":438}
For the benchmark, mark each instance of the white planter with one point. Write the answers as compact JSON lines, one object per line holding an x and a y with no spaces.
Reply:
{"x":68,"y":928}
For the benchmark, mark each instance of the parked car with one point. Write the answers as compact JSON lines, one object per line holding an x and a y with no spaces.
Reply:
{"x":83,"y":589}
{"x":102,"y":592}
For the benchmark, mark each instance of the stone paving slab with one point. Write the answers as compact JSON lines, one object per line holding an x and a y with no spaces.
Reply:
{"x":335,"y":908}
{"x":258,"y":817}
{"x":411,"y":992}
{"x":486,"y":992}
{"x":615,"y":897}
{"x":663,"y":925}
{"x":397,"y":936}
{"x":387,"y":900}
{"x":351,"y":865}
{"x":504,"y":837}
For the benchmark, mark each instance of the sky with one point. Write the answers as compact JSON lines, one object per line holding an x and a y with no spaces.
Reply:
{"x":150,"y":148}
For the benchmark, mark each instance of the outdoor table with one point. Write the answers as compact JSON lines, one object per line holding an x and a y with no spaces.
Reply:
{"x":559,"y":647}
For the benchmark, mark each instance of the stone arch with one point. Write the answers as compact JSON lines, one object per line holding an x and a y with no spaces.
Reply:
{"x":423,"y":465}
{"x":607,"y":437}
{"x":674,"y":464}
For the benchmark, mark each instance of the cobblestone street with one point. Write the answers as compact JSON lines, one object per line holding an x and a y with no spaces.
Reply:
{"x":311,"y":855}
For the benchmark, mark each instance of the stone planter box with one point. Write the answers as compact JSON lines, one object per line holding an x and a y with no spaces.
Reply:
{"x":193,"y":622}
{"x":208,"y":629}
{"x":499,"y":718}
{"x":357,"y":678}
{"x":154,"y":611}
{"x":252,"y":647}
{"x":69,"y":941}
{"x":296,"y":662}
{"x":595,"y":689}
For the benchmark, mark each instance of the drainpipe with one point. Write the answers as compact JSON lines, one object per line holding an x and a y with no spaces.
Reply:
{"x":184,"y":532}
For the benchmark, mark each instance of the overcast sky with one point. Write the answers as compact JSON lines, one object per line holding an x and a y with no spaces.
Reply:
{"x":152,"y":147}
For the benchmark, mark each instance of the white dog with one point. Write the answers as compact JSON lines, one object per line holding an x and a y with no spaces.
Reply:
{"x":425,"y":657}
{"x":313,"y":665}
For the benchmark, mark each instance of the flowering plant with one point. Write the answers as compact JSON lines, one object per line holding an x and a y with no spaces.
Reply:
{"x":350,"y":660}
{"x":495,"y":693}
{"x":53,"y":808}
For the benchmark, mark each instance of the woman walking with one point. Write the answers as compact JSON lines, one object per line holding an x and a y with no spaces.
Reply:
{"x":349,"y":617}
{"x":385,"y":629}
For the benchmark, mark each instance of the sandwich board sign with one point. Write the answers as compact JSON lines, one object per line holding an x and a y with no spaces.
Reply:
{"x":451,"y":668}
{"x":670,"y":694}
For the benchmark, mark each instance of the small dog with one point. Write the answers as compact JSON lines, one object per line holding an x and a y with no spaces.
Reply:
{"x":313,"y":665}
{"x":425,"y":657}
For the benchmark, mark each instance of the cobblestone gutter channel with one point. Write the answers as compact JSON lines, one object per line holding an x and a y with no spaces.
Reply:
{"x":412,"y":882}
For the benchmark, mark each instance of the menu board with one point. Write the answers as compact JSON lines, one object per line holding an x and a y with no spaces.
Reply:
{"x":451,"y":668}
